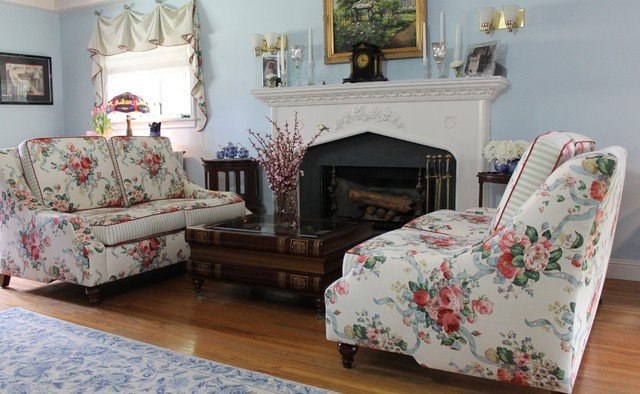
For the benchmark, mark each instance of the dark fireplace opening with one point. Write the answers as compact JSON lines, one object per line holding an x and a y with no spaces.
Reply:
{"x":376,"y":178}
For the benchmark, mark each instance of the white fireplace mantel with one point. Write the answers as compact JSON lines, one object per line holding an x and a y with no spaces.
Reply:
{"x":450,"y":114}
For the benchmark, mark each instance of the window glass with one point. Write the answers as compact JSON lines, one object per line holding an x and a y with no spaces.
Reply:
{"x":162,"y":77}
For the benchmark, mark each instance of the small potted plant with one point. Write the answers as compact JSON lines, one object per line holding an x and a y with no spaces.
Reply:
{"x":505,"y":154}
{"x":100,"y":121}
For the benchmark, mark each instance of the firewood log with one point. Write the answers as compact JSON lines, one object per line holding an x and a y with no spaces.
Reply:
{"x":380,"y":213}
{"x":390,"y":215}
{"x":400,"y":204}
{"x":371,"y":210}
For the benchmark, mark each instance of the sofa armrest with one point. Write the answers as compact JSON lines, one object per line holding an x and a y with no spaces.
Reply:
{"x":191,"y":190}
{"x":44,"y":245}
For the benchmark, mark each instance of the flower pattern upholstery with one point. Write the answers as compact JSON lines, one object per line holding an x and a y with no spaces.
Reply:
{"x":98,"y":240}
{"x":147,"y":168}
{"x":463,"y":224}
{"x":516,"y":306}
{"x":71,"y":173}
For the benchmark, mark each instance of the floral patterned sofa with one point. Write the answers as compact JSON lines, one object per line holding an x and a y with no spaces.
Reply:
{"x":87,"y":210}
{"x":507,"y":294}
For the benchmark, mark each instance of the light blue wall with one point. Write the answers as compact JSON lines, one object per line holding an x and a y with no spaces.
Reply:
{"x":572,"y":68}
{"x":31,"y":32}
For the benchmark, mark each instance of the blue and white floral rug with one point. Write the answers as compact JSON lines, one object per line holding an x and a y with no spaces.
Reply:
{"x":41,"y":354}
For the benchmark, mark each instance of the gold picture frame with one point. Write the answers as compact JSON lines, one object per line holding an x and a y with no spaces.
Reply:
{"x":359,"y":21}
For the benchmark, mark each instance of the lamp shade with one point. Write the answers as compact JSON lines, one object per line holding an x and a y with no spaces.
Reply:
{"x":486,"y":14}
{"x":127,"y":102}
{"x":510,"y":11}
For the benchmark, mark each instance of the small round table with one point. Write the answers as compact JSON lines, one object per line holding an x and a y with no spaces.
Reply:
{"x":490,"y":177}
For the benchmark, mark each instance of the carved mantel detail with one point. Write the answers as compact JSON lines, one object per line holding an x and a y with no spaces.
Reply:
{"x":380,"y":92}
{"x":373,"y":114}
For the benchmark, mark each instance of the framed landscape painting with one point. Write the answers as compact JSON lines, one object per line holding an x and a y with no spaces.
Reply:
{"x":393,"y":25}
{"x":25,"y":79}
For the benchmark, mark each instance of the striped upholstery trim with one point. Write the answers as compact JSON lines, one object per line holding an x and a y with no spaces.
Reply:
{"x":220,"y":213}
{"x":139,"y":227}
{"x":29,"y":172}
{"x":543,"y":156}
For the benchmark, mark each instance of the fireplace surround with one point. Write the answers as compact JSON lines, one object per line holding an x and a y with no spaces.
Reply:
{"x":453,"y":115}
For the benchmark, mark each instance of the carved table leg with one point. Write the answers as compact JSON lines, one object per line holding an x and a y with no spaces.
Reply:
{"x":94,"y":294}
{"x":347,"y":352}
{"x":5,"y":280}
{"x":197,"y":286}
{"x":318,"y":303}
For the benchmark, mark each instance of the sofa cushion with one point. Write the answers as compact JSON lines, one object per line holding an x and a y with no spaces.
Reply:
{"x":542,"y":157}
{"x":71,"y":174}
{"x":11,"y":172}
{"x":203,"y":211}
{"x":114,"y":226}
{"x":147,"y":168}
{"x":463,"y":224}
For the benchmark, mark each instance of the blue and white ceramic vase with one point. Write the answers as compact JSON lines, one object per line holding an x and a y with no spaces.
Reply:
{"x":505,"y":168}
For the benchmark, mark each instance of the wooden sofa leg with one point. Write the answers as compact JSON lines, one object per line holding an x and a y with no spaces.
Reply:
{"x":5,"y":280}
{"x":94,"y":294}
{"x":347,"y":352}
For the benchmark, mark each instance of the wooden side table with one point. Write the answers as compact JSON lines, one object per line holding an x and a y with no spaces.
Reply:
{"x":490,"y":177}
{"x":235,"y":175}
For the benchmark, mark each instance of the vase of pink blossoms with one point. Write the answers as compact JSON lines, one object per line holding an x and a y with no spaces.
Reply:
{"x":280,"y":155}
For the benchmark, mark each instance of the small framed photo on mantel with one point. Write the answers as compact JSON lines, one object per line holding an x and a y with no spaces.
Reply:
{"x":25,"y":79}
{"x":481,"y":59}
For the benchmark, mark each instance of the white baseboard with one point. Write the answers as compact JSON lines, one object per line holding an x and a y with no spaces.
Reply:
{"x":624,"y":269}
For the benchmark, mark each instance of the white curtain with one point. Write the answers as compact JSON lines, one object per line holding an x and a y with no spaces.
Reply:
{"x":135,"y":32}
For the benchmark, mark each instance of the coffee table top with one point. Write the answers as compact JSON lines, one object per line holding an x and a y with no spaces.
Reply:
{"x":263,"y":225}
{"x":317,"y":238}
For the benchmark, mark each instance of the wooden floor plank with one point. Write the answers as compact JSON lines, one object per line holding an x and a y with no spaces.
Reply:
{"x":278,"y":333}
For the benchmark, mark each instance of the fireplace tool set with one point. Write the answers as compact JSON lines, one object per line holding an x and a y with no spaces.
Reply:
{"x":438,"y":174}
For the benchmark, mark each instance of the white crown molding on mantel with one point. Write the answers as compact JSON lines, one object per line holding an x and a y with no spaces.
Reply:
{"x":377,"y":92}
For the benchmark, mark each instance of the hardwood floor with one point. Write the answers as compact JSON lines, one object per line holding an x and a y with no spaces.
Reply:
{"x":277,"y":333}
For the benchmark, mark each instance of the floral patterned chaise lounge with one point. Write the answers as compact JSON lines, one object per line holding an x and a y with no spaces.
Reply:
{"x":512,"y":297}
{"x":89,"y":211}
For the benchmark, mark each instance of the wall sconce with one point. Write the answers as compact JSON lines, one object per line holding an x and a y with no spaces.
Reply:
{"x":511,"y":17}
{"x":269,"y":42}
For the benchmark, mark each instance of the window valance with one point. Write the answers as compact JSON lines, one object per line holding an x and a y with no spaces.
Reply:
{"x":131,"y":31}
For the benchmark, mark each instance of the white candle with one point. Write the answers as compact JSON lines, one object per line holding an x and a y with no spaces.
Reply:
{"x":310,"y":48}
{"x":281,"y":54}
{"x":425,"y":59}
{"x":441,"y":26}
{"x":458,"y":42}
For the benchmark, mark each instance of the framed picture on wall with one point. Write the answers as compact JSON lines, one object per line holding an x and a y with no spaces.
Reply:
{"x":270,"y":71}
{"x":393,"y":26}
{"x":481,"y":59}
{"x":25,"y":79}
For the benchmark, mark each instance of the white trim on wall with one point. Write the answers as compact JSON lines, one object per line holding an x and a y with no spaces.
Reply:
{"x":624,"y":269}
{"x":49,"y":5}
{"x":59,"y":5}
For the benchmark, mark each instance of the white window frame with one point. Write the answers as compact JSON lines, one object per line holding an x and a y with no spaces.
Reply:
{"x":159,"y":58}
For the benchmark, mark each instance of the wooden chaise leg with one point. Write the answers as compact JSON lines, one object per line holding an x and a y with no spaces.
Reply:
{"x":5,"y":280}
{"x":347,"y":352}
{"x":94,"y":294}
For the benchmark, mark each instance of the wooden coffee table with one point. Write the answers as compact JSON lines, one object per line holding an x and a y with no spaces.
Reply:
{"x":247,"y":250}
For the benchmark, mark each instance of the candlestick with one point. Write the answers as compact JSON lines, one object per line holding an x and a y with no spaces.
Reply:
{"x":283,"y":63}
{"x":310,"y":57}
{"x":458,"y":42}
{"x":424,"y":42}
{"x":425,"y":56}
{"x":441,"y":26}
